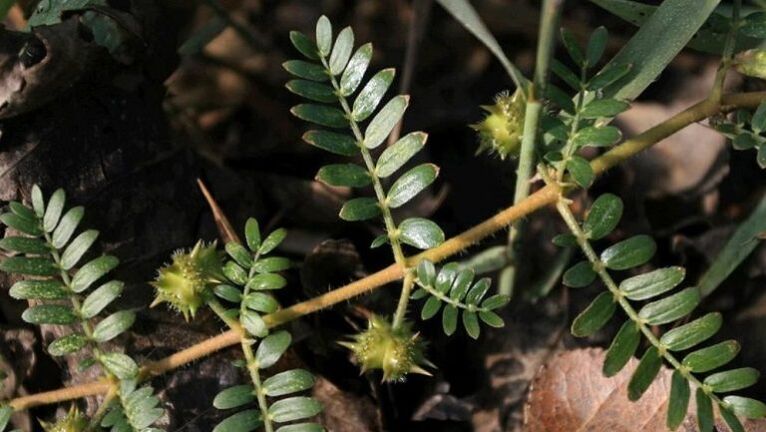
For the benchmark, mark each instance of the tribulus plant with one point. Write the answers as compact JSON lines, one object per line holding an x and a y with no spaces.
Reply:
{"x":560,"y":122}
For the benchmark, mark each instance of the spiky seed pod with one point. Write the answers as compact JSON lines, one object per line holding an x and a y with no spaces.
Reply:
{"x":73,"y":422}
{"x":501,"y":130}
{"x":751,"y":63}
{"x":397,"y":352}
{"x":184,"y":282}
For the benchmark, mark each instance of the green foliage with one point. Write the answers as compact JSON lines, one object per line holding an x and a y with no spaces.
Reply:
{"x":582,"y":123}
{"x":252,"y":277}
{"x":336,"y":76}
{"x":747,"y":131}
{"x":136,"y":411}
{"x":663,"y":306}
{"x":63,"y":289}
{"x":453,"y":291}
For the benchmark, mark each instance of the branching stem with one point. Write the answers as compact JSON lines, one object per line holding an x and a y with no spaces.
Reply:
{"x":548,"y":195}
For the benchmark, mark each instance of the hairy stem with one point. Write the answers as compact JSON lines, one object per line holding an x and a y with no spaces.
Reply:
{"x":549,"y":17}
{"x":546,"y":196}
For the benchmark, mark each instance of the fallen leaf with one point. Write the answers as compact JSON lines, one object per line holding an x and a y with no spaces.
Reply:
{"x":571,"y":394}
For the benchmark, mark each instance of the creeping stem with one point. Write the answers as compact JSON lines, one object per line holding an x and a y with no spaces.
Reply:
{"x":542,"y":198}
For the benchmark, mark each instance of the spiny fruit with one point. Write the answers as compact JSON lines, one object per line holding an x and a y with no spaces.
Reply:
{"x":501,"y":130}
{"x":73,"y":422}
{"x":395,"y":351}
{"x":751,"y":63}
{"x":184,"y":282}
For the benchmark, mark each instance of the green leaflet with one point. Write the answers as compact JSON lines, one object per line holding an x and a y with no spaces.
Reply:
{"x":595,"y":316}
{"x":622,"y":349}
{"x":679,"y":400}
{"x":644,"y":375}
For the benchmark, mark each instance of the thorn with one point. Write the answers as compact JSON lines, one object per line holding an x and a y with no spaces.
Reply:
{"x":225,"y":229}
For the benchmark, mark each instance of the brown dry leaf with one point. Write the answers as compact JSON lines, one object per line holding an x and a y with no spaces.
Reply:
{"x":570,"y":394}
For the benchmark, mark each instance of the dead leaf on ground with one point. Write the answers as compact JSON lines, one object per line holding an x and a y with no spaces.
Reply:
{"x":571,"y":394}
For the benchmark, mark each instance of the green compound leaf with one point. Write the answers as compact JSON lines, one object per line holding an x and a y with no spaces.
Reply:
{"x":306,"y":70}
{"x":332,"y":142}
{"x":678,"y":404}
{"x":371,"y":95}
{"x":704,"y":411}
{"x":596,"y":46}
{"x":671,"y":308}
{"x":78,"y":248}
{"x":357,"y":66}
{"x":341,"y":52}
{"x":25,"y":245}
{"x":359,"y":209}
{"x":471,"y":324}
{"x":411,"y":183}
{"x":271,"y":265}
{"x":324,"y":35}
{"x":66,"y":227}
{"x":449,"y":319}
{"x":50,"y":314}
{"x":235,"y":396}
{"x":302,"y":427}
{"x":426,"y":272}
{"x":579,"y":275}
{"x":581,"y":171}
{"x":26,"y":226}
{"x":731,"y":420}
{"x":732,"y":380}
{"x":572,"y":47}
{"x":652,"y":284}
{"x":746,"y":407}
{"x":693,"y":333}
{"x":646,"y":371}
{"x":430,"y":308}
{"x":629,"y":253}
{"x":244,"y":421}
{"x":252,"y":234}
{"x":712,"y":357}
{"x":53,"y":210}
{"x":598,"y":313}
{"x":93,"y":271}
{"x":100,"y":298}
{"x":113,"y":325}
{"x":294,"y":408}
{"x":272,"y":348}
{"x":29,"y":266}
{"x":288,"y":382}
{"x":253,"y":323}
{"x":312,"y":90}
{"x":595,"y":136}
{"x":491,"y":319}
{"x":603,"y":217}
{"x":400,"y":153}
{"x":67,"y":345}
{"x":261,"y":302}
{"x":272,"y":241}
{"x":601,"y":108}
{"x":122,"y":366}
{"x":304,"y":45}
{"x":239,"y":254}
{"x":420,"y":233}
{"x":39,"y":289}
{"x":608,"y":75}
{"x":348,"y":175}
{"x":622,"y":349}
{"x":320,"y":114}
{"x":384,"y":121}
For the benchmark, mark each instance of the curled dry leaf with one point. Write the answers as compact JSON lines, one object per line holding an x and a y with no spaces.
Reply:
{"x":571,"y":394}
